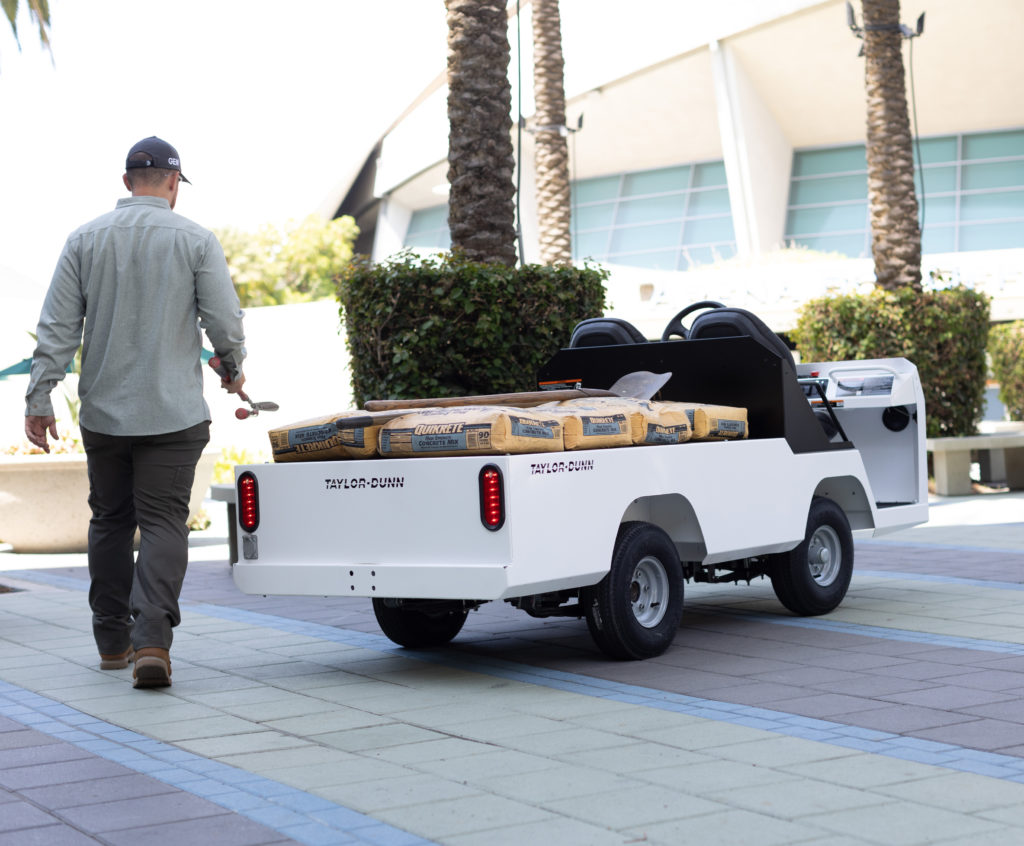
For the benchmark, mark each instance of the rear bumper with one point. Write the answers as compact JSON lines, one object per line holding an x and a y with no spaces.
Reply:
{"x":419,"y":581}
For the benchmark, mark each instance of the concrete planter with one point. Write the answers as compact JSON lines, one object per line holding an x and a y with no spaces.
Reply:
{"x":44,"y":500}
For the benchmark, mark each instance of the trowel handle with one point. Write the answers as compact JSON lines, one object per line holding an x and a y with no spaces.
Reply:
{"x":219,"y":368}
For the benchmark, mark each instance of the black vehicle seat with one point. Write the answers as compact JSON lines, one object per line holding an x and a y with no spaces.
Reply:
{"x":732,"y":322}
{"x":605,"y":332}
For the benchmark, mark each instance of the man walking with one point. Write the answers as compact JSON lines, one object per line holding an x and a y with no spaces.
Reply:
{"x":143,"y":281}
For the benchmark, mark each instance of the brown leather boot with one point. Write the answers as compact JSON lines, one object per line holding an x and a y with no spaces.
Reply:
{"x":152,"y":667}
{"x":117,"y":662}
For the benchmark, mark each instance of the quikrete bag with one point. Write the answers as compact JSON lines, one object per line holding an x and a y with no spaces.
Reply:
{"x":714,"y":422}
{"x":318,"y":439}
{"x":589,"y":423}
{"x":471,"y":430}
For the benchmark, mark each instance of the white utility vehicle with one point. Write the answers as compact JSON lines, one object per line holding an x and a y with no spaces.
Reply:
{"x":613,"y":534}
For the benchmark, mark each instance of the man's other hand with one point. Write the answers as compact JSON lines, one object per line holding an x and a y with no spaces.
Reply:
{"x":36,"y":429}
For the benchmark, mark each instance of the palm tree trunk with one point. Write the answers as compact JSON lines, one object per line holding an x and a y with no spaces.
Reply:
{"x":551,"y":155}
{"x":481,"y":212}
{"x":895,"y":234}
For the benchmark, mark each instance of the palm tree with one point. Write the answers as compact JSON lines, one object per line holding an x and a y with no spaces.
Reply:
{"x":38,"y":10}
{"x":551,"y":155}
{"x":895,"y":234}
{"x":481,"y":212}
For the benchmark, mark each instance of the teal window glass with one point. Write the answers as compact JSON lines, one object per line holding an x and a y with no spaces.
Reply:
{"x":837,"y":160}
{"x":594,"y":216}
{"x":658,"y":260}
{"x":659,"y":218}
{"x":828,"y":219}
{"x":591,"y":244}
{"x":656,"y":181}
{"x":633,"y":239}
{"x":936,"y":180}
{"x":596,"y":190}
{"x":829,"y":189}
{"x":708,"y":230}
{"x":992,"y":145}
{"x":993,"y":175}
{"x":937,"y":150}
{"x":970,"y":190}
{"x":938,"y":239}
{"x":429,"y":228}
{"x":649,"y":209}
{"x":939,"y":210}
{"x":992,"y":206}
{"x":709,"y":175}
{"x":709,"y":202}
{"x":991,"y":236}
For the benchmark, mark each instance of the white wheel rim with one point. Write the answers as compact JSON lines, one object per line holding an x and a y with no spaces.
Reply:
{"x":824,"y":555}
{"x":649,"y":592}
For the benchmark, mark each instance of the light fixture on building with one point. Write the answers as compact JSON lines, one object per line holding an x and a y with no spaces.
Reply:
{"x":904,"y":30}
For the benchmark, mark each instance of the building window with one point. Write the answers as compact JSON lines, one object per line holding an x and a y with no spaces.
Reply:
{"x":973,"y":195}
{"x":671,"y":218}
{"x":429,"y":228}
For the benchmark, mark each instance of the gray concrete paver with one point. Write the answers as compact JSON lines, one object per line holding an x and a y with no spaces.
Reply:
{"x":55,"y":834}
{"x":560,"y":830}
{"x":639,"y":805}
{"x":445,"y":818}
{"x":732,"y":827}
{"x":18,"y":815}
{"x":140,"y":812}
{"x":224,"y":830}
{"x":97,"y":791}
{"x":956,"y":792}
{"x":23,"y":777}
{"x":905,"y":824}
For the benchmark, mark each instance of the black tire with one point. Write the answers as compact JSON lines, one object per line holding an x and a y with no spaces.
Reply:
{"x":813,"y":578}
{"x":415,"y":629}
{"x":635,"y":610}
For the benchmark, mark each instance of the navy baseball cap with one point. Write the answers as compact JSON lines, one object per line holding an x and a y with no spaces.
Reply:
{"x":160,"y":153}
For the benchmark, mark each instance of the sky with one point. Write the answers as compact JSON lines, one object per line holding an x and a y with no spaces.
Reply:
{"x":272,"y":107}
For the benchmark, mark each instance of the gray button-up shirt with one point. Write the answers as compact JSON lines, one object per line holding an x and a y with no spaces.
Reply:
{"x":144,"y":281}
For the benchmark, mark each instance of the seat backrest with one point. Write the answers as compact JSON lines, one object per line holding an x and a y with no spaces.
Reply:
{"x":731,"y":322}
{"x":605,"y":332}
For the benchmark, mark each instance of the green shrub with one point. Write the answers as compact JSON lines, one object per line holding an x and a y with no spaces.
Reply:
{"x":943,"y":332}
{"x":446,"y":326}
{"x":1006,"y":352}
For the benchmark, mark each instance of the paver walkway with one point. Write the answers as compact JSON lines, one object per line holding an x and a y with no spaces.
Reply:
{"x":895,"y":720}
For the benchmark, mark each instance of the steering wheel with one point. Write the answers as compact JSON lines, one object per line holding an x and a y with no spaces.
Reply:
{"x":675,"y":325}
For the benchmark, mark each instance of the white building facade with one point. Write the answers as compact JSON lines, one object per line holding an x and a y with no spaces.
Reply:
{"x":717,"y":151}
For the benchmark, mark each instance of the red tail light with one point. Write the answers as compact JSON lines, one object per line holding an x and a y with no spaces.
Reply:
{"x":492,"y":498}
{"x":248,"y":502}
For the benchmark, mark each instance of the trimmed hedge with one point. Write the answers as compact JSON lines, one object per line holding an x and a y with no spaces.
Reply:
{"x":1006,"y":353}
{"x":446,"y":326}
{"x":943,"y":332}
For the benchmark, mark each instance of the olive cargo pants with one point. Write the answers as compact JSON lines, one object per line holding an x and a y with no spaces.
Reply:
{"x":139,"y":482}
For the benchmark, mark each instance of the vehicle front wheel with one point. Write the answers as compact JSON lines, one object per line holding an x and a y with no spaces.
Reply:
{"x":635,"y":610}
{"x":414,"y":628}
{"x":813,"y":578}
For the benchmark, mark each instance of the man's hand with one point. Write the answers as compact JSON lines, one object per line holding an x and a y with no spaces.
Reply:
{"x":233,"y":387}
{"x":36,"y":428}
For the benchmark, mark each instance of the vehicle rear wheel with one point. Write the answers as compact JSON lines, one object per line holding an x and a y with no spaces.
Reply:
{"x":635,"y":610}
{"x":813,"y":578}
{"x":414,"y":628}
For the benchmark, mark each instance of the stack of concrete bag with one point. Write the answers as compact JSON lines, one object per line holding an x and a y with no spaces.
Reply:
{"x":590,"y":423}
